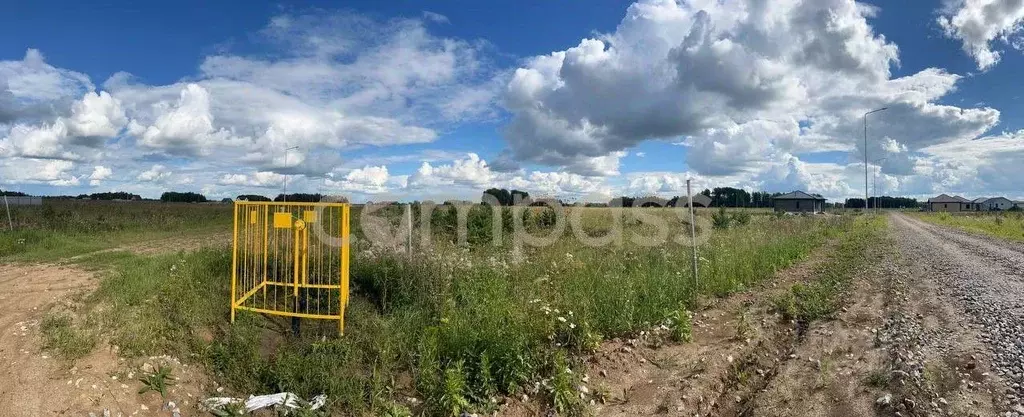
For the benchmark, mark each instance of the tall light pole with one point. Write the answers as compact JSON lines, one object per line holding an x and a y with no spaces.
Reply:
{"x":874,"y":183}
{"x":866,"y":154}
{"x":10,"y":222}
{"x":284,"y":195}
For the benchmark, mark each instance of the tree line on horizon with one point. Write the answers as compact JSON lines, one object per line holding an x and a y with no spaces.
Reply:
{"x":719,"y":196}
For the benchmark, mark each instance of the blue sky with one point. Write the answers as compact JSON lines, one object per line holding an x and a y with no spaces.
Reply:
{"x":404,"y":100}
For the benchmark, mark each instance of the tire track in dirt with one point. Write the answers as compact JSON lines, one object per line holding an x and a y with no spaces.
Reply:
{"x":898,"y":347}
{"x":740,"y":348}
{"x":163,"y":245}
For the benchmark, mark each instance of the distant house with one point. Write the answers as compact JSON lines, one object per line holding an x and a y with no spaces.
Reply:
{"x":949,"y":203}
{"x":975,"y":204}
{"x":799,"y":202}
{"x":23,"y":200}
{"x":993,"y":204}
{"x":699,"y":200}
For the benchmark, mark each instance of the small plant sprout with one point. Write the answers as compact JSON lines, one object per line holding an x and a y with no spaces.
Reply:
{"x":157,"y":381}
{"x":681,"y":324}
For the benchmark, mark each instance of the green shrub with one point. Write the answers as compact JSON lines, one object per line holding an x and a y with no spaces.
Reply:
{"x":721,"y":219}
{"x":452,"y":399}
{"x":741,"y":217}
{"x":547,"y":218}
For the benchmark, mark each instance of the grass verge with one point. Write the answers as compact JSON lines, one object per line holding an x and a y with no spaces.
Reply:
{"x":1004,"y":225}
{"x":456,"y":328}
{"x":825,"y":294}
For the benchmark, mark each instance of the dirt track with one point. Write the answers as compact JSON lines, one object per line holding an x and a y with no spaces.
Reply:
{"x":25,"y":370}
{"x":910,"y":342}
{"x":35,"y":383}
{"x":971,"y":288}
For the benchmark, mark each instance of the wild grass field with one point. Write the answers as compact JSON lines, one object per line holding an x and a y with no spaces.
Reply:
{"x":1006,"y":225}
{"x":60,"y":229}
{"x":451,"y":328}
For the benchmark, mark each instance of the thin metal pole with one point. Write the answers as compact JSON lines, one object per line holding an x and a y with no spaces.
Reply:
{"x":866,"y":162}
{"x":874,"y":183}
{"x":284,"y":195}
{"x":866,"y":155}
{"x":693,"y":240}
{"x":9,"y":221}
{"x":408,"y":231}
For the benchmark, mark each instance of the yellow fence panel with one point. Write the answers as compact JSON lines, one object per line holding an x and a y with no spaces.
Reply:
{"x":291,"y":259}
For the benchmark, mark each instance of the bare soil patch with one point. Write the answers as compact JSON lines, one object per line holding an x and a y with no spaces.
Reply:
{"x":33,"y":382}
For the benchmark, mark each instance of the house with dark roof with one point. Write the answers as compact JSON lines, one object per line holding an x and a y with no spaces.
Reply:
{"x":799,"y":202}
{"x":956,"y":203}
{"x":993,"y":204}
{"x":699,"y":200}
{"x":949,"y":203}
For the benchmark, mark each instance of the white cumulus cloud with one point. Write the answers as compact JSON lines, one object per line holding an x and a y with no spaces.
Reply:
{"x":978,"y":24}
{"x":99,"y":173}
{"x":741,"y":83}
{"x":155,"y":174}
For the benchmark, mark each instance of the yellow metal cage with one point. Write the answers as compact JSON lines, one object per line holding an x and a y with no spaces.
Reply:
{"x":291,"y":259}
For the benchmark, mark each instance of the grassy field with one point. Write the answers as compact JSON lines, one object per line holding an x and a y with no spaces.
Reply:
{"x":59,"y":229}
{"x":456,"y":326}
{"x":1006,"y":225}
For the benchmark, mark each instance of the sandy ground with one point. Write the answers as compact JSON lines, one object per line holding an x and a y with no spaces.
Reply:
{"x":24,"y":370}
{"x":35,"y":383}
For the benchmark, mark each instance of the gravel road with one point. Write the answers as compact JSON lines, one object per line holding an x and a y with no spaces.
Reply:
{"x":984,"y":277}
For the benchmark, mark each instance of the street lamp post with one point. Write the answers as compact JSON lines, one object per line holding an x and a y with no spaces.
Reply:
{"x":874,"y":183}
{"x":10,"y":223}
{"x":866,"y":154}
{"x":284,"y":195}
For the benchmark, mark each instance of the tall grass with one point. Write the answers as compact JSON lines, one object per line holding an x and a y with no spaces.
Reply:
{"x":455,"y":326}
{"x":1005,"y":225}
{"x":60,"y":228}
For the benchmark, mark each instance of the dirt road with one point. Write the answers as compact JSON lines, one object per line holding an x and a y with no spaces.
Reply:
{"x":979,"y":294}
{"x":931,"y":326}
{"x":29,"y":289}
{"x":33,"y":382}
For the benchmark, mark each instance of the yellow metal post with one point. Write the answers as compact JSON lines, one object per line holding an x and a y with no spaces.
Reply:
{"x":234,"y":260}
{"x":305,"y":256}
{"x":343,"y":288}
{"x":266,"y":246}
{"x":295,"y":249}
